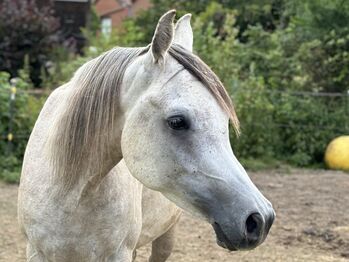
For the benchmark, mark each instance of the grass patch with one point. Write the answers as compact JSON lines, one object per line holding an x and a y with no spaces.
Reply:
{"x":259,"y":164}
{"x":10,"y":169}
{"x":11,"y":177}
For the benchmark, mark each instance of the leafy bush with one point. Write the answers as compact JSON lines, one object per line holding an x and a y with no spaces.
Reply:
{"x":268,"y":13}
{"x":26,"y":29}
{"x":10,"y":169}
{"x":130,"y":35}
{"x":25,"y":109}
{"x":273,"y":78}
{"x":263,"y":70}
{"x":275,"y":57}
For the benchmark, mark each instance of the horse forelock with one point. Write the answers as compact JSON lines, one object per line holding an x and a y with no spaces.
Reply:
{"x":82,"y":135}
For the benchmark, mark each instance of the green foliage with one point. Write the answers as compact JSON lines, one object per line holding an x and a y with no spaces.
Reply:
{"x":314,"y":18}
{"x":216,"y":44}
{"x":260,"y":137}
{"x":267,"y":77}
{"x":263,"y":67}
{"x":10,"y":169}
{"x":265,"y":163}
{"x":268,"y":13}
{"x":94,"y":22}
{"x":272,"y":56}
{"x":130,"y":35}
{"x":21,"y":114}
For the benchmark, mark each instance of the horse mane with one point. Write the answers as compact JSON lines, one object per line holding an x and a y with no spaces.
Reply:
{"x":82,"y":133}
{"x":203,"y":72}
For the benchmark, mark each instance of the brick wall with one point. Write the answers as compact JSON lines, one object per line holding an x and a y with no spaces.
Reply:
{"x":113,"y":10}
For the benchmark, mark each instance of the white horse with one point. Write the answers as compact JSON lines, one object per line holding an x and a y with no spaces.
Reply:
{"x":166,"y":113}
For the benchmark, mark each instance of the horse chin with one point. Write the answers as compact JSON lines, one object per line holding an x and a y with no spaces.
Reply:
{"x":225,"y":246}
{"x":222,"y":239}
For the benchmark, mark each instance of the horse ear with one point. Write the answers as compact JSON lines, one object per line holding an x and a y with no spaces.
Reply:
{"x":184,"y":33}
{"x":163,"y":37}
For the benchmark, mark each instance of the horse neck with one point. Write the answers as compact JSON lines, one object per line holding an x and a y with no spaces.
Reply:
{"x":96,"y":172}
{"x":87,"y":144}
{"x":97,"y":166}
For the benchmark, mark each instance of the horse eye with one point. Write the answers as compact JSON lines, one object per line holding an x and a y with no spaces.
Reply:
{"x":177,"y":122}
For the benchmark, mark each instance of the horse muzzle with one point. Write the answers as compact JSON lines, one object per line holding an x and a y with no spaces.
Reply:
{"x":248,"y":235}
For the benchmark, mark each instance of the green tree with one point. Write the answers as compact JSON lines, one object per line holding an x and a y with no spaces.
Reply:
{"x":268,"y":13}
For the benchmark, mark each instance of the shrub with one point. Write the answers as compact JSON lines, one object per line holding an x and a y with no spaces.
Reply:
{"x":26,"y":29}
{"x":10,"y":169}
{"x":130,"y":35}
{"x":274,"y":84}
{"x":274,"y":75}
{"x":25,"y":109}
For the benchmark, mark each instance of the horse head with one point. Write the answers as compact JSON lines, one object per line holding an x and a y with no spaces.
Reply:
{"x":175,"y":137}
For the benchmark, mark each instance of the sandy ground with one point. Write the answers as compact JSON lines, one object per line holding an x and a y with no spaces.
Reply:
{"x":312,"y":223}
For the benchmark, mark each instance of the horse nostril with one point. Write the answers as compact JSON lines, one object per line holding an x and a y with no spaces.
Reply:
{"x":251,"y":224}
{"x":254,"y":225}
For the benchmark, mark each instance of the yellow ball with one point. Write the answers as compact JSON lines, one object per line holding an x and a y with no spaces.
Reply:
{"x":337,"y":153}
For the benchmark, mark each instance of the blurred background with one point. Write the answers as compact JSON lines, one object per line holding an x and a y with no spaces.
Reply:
{"x":284,"y":63}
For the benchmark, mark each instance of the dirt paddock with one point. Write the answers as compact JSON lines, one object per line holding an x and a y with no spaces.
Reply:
{"x":312,"y":223}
